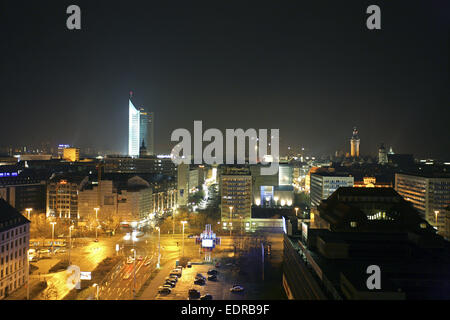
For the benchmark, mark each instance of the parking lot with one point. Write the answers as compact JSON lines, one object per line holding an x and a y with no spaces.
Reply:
{"x":244,"y":269}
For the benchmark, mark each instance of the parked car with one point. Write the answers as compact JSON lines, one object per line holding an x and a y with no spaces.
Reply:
{"x":237,"y":288}
{"x":194,"y":294}
{"x":174,"y":278}
{"x":190,"y":236}
{"x":189,"y":265}
{"x":206,"y":297}
{"x":199,"y":275}
{"x":212,"y":277}
{"x":212,"y":271}
{"x":167,"y":286}
{"x":199,"y":281}
{"x":164,"y":290}
{"x":171,"y":283}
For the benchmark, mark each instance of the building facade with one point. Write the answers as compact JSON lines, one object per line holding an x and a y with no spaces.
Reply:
{"x":323,"y":184}
{"x":14,"y":245}
{"x":62,"y":196}
{"x":236,"y":196}
{"x":71,"y":154}
{"x":429,"y":194}
{"x":134,"y":123}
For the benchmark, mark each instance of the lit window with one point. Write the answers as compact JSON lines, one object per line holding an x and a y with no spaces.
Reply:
{"x":353,"y":224}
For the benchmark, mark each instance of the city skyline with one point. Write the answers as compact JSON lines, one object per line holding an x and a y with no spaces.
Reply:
{"x":246,"y":68}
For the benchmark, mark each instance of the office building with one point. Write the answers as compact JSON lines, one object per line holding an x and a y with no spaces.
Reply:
{"x":146,"y":131}
{"x":183,"y":184}
{"x":429,"y":194}
{"x":62,"y":196}
{"x":14,"y":244}
{"x":134,"y":124}
{"x":327,"y":258}
{"x":236,"y":196}
{"x":23,"y":190}
{"x":323,"y":184}
{"x":160,"y":164}
{"x":71,"y":154}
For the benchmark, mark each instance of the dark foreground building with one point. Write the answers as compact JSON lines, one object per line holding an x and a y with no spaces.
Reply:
{"x":14,"y":243}
{"x":327,"y":257}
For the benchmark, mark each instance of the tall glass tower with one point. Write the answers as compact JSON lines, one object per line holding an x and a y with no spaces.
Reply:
{"x":146,"y":130}
{"x":133,"y":130}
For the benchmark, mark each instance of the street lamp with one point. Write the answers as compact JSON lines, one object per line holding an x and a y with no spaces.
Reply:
{"x":173,"y":221}
{"x":183,"y":223}
{"x":296,"y":211}
{"x":159,"y":247}
{"x":28,"y":210}
{"x":70,"y":240}
{"x":53,"y":233}
{"x":96,"y":220}
{"x":96,"y":285}
{"x":231,"y":217}
{"x":436,"y":212}
{"x":134,"y":273}
{"x":28,"y":274}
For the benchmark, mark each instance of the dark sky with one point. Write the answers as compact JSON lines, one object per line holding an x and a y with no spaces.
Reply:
{"x":310,"y":68}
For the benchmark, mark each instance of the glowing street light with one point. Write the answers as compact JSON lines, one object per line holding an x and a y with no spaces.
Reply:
{"x":159,"y":247}
{"x":183,"y":223}
{"x":28,"y":210}
{"x":96,"y":285}
{"x":70,"y":240}
{"x":436,"y":212}
{"x":134,"y":273}
{"x":53,"y":233}
{"x":28,"y":274}
{"x":231,"y":218}
{"x":96,"y":220}
{"x":296,"y":211}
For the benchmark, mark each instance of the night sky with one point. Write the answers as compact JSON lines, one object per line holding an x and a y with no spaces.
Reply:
{"x":310,"y":68}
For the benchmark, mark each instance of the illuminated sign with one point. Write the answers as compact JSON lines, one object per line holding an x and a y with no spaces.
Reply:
{"x":85,"y":275}
{"x":207,"y":243}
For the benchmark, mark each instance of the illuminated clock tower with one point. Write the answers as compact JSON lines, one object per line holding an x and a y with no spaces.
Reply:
{"x":354,"y":144}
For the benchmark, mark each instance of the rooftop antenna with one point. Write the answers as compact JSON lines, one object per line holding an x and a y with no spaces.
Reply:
{"x":131,"y":94}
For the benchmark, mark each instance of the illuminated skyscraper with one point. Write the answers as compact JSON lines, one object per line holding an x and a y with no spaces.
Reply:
{"x":146,"y":130}
{"x":133,"y":130}
{"x":354,"y":144}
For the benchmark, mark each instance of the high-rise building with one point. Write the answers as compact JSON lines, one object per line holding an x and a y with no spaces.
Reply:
{"x":14,"y":243}
{"x":354,"y":144}
{"x":236,"y":196}
{"x":323,"y":184}
{"x":183,"y":184}
{"x":429,"y":194}
{"x":146,"y":130}
{"x":134,"y":122}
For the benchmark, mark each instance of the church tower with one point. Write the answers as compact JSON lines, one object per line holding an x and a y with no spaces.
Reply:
{"x":354,"y":144}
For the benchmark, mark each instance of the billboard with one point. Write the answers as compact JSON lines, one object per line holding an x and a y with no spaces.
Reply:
{"x":207,"y":243}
